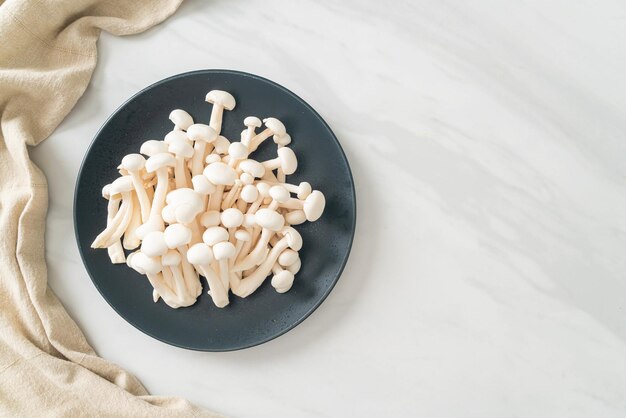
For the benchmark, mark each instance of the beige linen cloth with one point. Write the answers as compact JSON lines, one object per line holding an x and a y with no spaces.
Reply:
{"x":47,"y":368}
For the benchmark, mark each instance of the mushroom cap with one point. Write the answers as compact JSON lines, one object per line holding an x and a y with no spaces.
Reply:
{"x":288,"y":160}
{"x":181,"y":119}
{"x":269,"y":219}
{"x":151,"y":265}
{"x":252,"y":121}
{"x":304,"y":190}
{"x":121,"y":185}
{"x":222,"y":98}
{"x":201,"y":132}
{"x":221,"y":144}
{"x":252,"y":167}
{"x":180,"y":148}
{"x":215,"y":234}
{"x":202,"y":185}
{"x":238,"y":151}
{"x":295,"y":267}
{"x":133,"y":162}
{"x":314,"y":206}
{"x":212,"y":158}
{"x":160,"y":160}
{"x":210,"y":218}
{"x":186,"y":202}
{"x":153,"y":244}
{"x":294,"y":239}
{"x":243,"y":235}
{"x":249,"y":193}
{"x":249,"y":220}
{"x":223,"y":250}
{"x":282,"y":140}
{"x":288,"y":257}
{"x":177,"y":235}
{"x":279,"y":194}
{"x":232,"y":218}
{"x":172,"y":136}
{"x":295,"y":217}
{"x":171,"y":258}
{"x":220,"y":174}
{"x":246,"y":178}
{"x":275,"y":126}
{"x":264,"y":188}
{"x":106,"y":191}
{"x":153,"y":147}
{"x":200,"y":254}
{"x":131,"y":263}
{"x":168,"y":214}
{"x":283,"y":281}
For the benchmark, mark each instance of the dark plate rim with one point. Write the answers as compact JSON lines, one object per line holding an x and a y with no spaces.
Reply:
{"x":343,"y":262}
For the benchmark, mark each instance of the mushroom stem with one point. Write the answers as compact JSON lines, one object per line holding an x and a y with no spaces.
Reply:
{"x":224,"y":273}
{"x":197,"y":161}
{"x":249,"y":284}
{"x":118,"y":224}
{"x":216,"y":117}
{"x":131,"y":240}
{"x":217,"y":291}
{"x":232,"y":194}
{"x":156,"y":280}
{"x":142,"y":195}
{"x":181,"y":174}
{"x":115,"y":251}
{"x":215,"y":200}
{"x":191,"y":278}
{"x":258,"y":139}
{"x":158,"y":202}
{"x":256,"y":255}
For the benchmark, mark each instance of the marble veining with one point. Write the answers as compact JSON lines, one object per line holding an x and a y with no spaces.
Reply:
{"x":487,"y":143}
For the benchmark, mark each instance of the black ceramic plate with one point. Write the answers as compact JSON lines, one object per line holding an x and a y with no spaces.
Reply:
{"x":265,"y":314}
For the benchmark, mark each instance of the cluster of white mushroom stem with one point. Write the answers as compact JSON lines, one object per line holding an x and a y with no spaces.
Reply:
{"x":198,"y":205}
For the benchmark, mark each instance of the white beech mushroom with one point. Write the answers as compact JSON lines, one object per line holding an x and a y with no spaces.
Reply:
{"x":282,"y":279}
{"x":273,"y":127}
{"x":213,"y":236}
{"x":115,"y":251}
{"x":177,"y":237}
{"x":313,"y":205}
{"x":221,"y":100}
{"x":286,"y":160}
{"x":115,"y":229}
{"x":181,"y":119}
{"x":172,"y":259}
{"x":134,"y":163}
{"x":251,"y":123}
{"x":158,"y":163}
{"x":202,"y":135}
{"x":130,"y":241}
{"x":281,"y":141}
{"x":182,"y":151}
{"x":186,"y":205}
{"x":201,"y":255}
{"x":221,"y":175}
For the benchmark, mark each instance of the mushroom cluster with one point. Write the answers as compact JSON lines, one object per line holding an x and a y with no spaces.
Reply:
{"x":200,"y":206}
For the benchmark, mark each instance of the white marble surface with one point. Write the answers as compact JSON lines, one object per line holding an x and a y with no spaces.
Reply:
{"x":487,"y":140}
